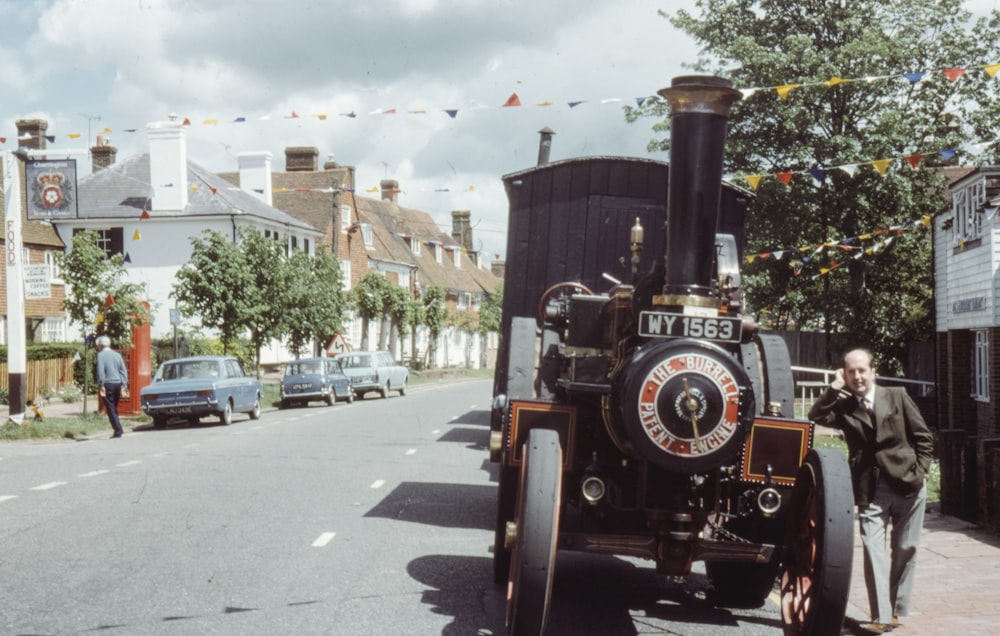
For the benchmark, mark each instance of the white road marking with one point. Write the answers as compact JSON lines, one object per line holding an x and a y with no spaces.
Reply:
{"x":94,"y":473}
{"x":378,"y":483}
{"x":7,"y":498}
{"x":323,"y":539}
{"x":131,"y":463}
{"x":412,"y":451}
{"x":50,"y":485}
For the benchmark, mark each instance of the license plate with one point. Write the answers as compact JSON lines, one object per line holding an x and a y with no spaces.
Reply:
{"x":301,"y":387}
{"x":658,"y":324}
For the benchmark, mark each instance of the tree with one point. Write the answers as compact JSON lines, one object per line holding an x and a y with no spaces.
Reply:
{"x":435,"y":317}
{"x":99,"y":297}
{"x":858,"y":254}
{"x":215,"y":285}
{"x":316,"y":300}
{"x":270,"y":280}
{"x":369,"y":298}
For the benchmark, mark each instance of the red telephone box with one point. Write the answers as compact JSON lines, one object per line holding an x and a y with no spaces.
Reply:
{"x":138,"y":362}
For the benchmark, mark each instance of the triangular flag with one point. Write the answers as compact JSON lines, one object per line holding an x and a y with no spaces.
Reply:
{"x":784,"y":177}
{"x":351,"y":114}
{"x":881,"y":165}
{"x":783,"y":91}
{"x":451,"y":113}
{"x":833,"y":81}
{"x":991,"y":69}
{"x":639,"y":101}
{"x":914,"y":77}
{"x":575,"y":104}
{"x":136,"y":236}
{"x":76,"y":356}
{"x":947,"y":154}
{"x":186,"y":122}
{"x":849,"y":168}
{"x":127,"y":259}
{"x":954,"y":73}
{"x":914,"y":160}
{"x":239,"y":120}
{"x":210,"y":122}
{"x":3,"y":140}
{"x":754,"y":181}
{"x":294,"y":115}
{"x":109,"y":300}
{"x":545,"y":103}
{"x":819,"y":174}
{"x":145,"y":214}
{"x":513,"y":100}
{"x":73,"y":135}
{"x":372,"y":189}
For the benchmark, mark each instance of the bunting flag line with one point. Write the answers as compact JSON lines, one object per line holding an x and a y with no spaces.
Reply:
{"x":784,"y":92}
{"x":860,"y":245}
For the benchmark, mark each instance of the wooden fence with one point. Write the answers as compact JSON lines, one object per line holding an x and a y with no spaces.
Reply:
{"x":42,"y":375}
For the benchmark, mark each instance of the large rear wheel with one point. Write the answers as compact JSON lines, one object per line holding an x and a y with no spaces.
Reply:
{"x":529,"y":587}
{"x":820,"y":539}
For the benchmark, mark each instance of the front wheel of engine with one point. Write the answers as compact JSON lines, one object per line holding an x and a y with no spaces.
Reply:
{"x":529,"y":588}
{"x":817,"y":577}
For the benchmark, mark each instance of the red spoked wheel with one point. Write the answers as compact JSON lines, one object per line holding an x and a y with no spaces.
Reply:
{"x":817,"y":577}
{"x":529,"y":588}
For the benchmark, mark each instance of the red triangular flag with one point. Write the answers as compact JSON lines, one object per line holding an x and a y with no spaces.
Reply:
{"x":214,"y":190}
{"x":187,"y":122}
{"x":3,"y":140}
{"x":513,"y":100}
{"x":914,"y":160}
{"x":785,"y":177}
{"x":109,"y":301}
{"x":145,"y":214}
{"x":954,"y":73}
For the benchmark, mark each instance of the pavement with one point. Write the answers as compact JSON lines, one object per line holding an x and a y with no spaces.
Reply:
{"x":957,"y":590}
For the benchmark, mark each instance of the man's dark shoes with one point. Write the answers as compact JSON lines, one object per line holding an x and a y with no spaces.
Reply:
{"x":116,"y":435}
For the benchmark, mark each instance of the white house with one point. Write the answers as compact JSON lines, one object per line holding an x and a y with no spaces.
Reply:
{"x":149,"y":206}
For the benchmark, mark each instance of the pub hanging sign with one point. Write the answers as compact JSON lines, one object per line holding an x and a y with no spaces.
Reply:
{"x":51,"y":189}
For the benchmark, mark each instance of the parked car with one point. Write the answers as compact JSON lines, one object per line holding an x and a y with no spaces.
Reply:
{"x":311,"y":379}
{"x":191,"y":388}
{"x":374,"y":371}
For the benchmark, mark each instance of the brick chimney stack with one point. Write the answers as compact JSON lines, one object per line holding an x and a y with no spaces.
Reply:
{"x":461,"y":228}
{"x":31,"y":133}
{"x":301,"y":159}
{"x":102,"y":154}
{"x":390,"y":190}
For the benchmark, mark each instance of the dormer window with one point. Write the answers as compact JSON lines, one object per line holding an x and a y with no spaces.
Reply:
{"x":415,"y":245}
{"x":457,"y":257}
{"x":438,"y":249}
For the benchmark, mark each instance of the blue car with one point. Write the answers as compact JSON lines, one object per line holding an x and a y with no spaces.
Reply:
{"x":192,"y":388}
{"x":312,"y":379}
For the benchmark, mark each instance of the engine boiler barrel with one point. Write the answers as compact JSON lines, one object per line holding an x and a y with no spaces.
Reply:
{"x":699,"y":111}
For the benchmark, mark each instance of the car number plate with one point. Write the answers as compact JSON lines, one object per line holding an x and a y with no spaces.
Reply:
{"x":658,"y":324}
{"x":301,"y":387}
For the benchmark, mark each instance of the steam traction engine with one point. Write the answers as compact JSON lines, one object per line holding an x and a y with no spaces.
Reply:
{"x":651,"y":419}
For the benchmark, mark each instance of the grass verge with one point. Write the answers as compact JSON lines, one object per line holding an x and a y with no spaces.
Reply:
{"x":933,"y":477}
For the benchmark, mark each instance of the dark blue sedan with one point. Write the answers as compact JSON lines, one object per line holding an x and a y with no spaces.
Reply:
{"x":311,"y":379}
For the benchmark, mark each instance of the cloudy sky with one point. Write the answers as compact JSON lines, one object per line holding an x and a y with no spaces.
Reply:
{"x":88,"y":65}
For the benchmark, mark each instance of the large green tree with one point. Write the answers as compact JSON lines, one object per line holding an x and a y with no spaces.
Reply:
{"x":215,"y":286}
{"x":316,"y":300}
{"x":907,"y":101}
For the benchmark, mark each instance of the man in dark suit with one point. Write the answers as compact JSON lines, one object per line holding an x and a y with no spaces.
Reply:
{"x":890,"y":451}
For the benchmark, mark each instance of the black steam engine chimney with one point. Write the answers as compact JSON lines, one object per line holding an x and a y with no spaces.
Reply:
{"x":699,"y":109}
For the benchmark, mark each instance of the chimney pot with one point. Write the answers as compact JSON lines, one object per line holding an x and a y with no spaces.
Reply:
{"x":390,"y":190}
{"x":301,"y":158}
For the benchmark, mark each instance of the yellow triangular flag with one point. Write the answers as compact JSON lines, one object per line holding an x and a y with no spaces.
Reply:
{"x":136,"y":236}
{"x":783,"y":91}
{"x":73,"y":135}
{"x":992,"y":69}
{"x":754,"y":181}
{"x":833,"y":81}
{"x":881,"y":165}
{"x":210,"y":122}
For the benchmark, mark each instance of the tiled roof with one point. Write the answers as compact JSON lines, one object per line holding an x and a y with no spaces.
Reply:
{"x":123,"y":191}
